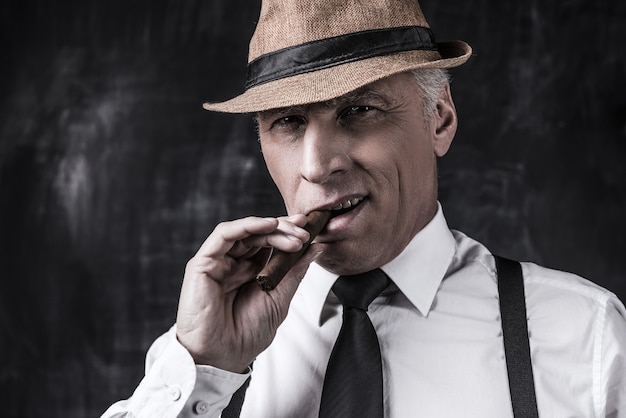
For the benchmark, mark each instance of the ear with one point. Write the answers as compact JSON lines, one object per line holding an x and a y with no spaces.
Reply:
{"x":444,"y":123}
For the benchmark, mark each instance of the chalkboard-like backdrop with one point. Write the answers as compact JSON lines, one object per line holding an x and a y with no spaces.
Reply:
{"x":111,"y":174}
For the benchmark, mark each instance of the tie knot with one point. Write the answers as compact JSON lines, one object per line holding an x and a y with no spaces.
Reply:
{"x":360,"y":290}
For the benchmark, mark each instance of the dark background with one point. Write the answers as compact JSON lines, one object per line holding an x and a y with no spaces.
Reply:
{"x":111,"y":174}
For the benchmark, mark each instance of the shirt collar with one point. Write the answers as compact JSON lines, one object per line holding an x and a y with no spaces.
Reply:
{"x":422,"y":265}
{"x":417,"y":271}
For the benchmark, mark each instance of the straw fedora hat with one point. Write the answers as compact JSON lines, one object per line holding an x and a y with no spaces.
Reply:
{"x":308,"y":51}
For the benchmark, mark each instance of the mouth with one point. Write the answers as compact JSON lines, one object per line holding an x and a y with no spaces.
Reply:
{"x":346,"y":206}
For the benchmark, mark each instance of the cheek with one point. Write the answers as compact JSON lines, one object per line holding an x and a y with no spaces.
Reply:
{"x":275,"y":165}
{"x":414,"y":167}
{"x":283,"y":170}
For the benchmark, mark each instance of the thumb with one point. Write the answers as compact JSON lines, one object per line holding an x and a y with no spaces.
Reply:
{"x":289,"y":284}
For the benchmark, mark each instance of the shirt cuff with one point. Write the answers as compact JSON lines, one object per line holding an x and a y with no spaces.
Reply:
{"x":213,"y":391}
{"x":174,"y":386}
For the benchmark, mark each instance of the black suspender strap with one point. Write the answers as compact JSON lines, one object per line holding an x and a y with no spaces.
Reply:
{"x":233,"y":410}
{"x":515,"y":335}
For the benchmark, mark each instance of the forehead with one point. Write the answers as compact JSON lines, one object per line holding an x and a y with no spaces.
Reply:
{"x":383,"y":93}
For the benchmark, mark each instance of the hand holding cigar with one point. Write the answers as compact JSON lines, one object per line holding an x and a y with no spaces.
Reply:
{"x":281,"y":262}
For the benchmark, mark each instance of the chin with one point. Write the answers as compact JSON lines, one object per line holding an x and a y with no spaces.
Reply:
{"x":347,"y":261}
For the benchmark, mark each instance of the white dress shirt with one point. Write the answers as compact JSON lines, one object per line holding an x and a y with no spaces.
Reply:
{"x":441,"y":344}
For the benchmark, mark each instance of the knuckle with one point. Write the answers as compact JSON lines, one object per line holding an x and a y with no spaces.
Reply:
{"x":220,"y":228}
{"x":197,"y":265}
{"x":191,"y":266}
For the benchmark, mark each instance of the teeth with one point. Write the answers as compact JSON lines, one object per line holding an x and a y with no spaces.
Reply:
{"x":348,"y":203}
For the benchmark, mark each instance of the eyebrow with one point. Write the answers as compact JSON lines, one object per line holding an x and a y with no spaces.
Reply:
{"x":363,"y":95}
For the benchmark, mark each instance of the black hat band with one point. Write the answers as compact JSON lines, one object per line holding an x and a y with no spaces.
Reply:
{"x":329,"y":52}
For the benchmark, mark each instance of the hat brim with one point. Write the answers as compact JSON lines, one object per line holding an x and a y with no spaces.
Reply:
{"x":333,"y":82}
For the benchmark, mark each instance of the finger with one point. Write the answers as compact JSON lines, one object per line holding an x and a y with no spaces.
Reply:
{"x":278,"y":239}
{"x":226,"y":234}
{"x":251,"y":253}
{"x":298,"y":219}
{"x":284,"y":291}
{"x":288,"y":236}
{"x":294,"y":226}
{"x":257,"y":255}
{"x":241,"y":249}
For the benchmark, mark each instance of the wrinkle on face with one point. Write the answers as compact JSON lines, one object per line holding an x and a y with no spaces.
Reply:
{"x":388,"y":153}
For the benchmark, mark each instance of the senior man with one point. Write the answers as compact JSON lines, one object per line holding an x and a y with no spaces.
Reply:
{"x":354,"y":107}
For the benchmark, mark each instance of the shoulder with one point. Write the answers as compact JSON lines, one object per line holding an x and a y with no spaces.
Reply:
{"x":566,"y":303}
{"x":570,"y":291}
{"x":550,"y":293}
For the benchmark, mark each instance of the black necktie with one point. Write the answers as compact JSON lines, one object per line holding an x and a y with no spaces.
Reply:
{"x":353,"y":386}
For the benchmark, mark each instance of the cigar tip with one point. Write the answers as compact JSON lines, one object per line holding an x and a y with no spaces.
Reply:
{"x":265,"y":283}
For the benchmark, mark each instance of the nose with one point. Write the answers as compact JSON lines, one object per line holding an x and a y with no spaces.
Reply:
{"x":324,"y":153}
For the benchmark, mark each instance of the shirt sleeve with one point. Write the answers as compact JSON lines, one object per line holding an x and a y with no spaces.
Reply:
{"x":612,"y":396}
{"x":174,"y":386}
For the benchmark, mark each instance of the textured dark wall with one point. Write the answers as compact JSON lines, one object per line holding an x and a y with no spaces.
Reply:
{"x":111,"y":174}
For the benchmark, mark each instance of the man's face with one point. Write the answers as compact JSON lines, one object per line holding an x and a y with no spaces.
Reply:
{"x":370,"y":156}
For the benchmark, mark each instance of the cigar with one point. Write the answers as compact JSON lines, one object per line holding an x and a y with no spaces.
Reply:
{"x":281,"y":262}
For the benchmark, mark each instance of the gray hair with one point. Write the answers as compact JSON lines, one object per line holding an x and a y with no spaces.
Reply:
{"x":431,"y":82}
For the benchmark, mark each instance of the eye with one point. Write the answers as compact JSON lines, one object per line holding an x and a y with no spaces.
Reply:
{"x":359,"y":112}
{"x":356,"y":115}
{"x":288,"y":123}
{"x":356,"y":109}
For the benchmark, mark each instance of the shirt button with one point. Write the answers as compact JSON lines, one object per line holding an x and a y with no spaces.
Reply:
{"x":201,"y":408}
{"x":173,"y":393}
